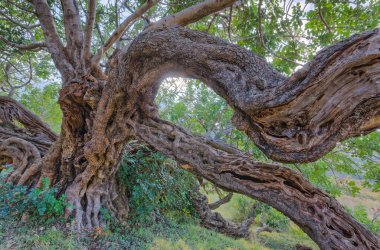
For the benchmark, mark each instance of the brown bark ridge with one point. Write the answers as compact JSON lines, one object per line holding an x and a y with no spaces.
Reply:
{"x":292,"y":119}
{"x":24,"y":139}
{"x":17,"y":121}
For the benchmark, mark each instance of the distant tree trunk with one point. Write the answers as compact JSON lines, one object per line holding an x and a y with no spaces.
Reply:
{"x":296,"y":119}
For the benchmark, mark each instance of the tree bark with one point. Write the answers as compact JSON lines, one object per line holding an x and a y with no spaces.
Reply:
{"x":295,"y":119}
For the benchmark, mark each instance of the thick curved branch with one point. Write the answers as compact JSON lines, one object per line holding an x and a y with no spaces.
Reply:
{"x":26,"y":144}
{"x":319,"y":215}
{"x":22,"y":154}
{"x":295,"y":119}
{"x":288,"y":118}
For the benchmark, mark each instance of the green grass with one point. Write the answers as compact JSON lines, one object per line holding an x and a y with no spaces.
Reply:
{"x":162,"y":235}
{"x":196,"y":237}
{"x":31,"y":235}
{"x":286,"y":240}
{"x":174,"y":231}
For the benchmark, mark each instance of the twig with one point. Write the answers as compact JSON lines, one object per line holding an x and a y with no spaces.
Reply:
{"x":2,"y":13}
{"x":31,"y":46}
{"x":324,"y":20}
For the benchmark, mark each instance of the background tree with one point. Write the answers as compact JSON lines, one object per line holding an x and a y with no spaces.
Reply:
{"x":106,"y":103}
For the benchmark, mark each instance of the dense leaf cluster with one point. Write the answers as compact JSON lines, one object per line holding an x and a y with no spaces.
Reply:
{"x":38,"y":203}
{"x":155,"y":185}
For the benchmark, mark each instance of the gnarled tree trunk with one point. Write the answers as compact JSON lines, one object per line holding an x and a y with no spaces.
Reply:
{"x":291,"y":119}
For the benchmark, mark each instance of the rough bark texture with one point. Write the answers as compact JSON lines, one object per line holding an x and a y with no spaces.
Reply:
{"x":291,"y":119}
{"x":265,"y":103}
{"x":296,"y":119}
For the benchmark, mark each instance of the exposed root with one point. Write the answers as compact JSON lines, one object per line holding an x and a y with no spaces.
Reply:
{"x":23,"y":154}
{"x":99,"y":193}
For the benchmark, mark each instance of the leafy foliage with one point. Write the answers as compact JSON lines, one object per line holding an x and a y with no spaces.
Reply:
{"x":361,"y":214}
{"x":42,"y":203}
{"x":43,"y":102}
{"x":155,"y":185}
{"x":245,"y":207}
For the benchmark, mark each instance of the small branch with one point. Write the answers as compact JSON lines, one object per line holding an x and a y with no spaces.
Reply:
{"x":193,"y":13}
{"x":20,"y":7}
{"x":32,"y":46}
{"x":122,"y":28}
{"x":220,"y":202}
{"x":2,"y":13}
{"x":261,"y":37}
{"x":209,"y":25}
{"x":264,"y":228}
{"x":215,"y":221}
{"x":298,"y":168}
{"x":229,"y":23}
{"x":324,"y":20}
{"x":376,"y":215}
{"x":100,"y":33}
{"x":91,"y":13}
{"x":8,"y":78}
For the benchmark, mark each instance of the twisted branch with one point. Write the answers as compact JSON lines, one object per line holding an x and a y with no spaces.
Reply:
{"x":293,"y":119}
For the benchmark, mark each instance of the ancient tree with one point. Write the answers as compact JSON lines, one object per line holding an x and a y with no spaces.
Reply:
{"x":291,"y":119}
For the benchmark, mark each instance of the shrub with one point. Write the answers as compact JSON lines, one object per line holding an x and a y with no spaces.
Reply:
{"x":41,"y":202}
{"x":246,"y":207}
{"x":155,"y":185}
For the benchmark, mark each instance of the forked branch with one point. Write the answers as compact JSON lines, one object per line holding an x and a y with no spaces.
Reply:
{"x":118,"y":33}
{"x":53,"y":41}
